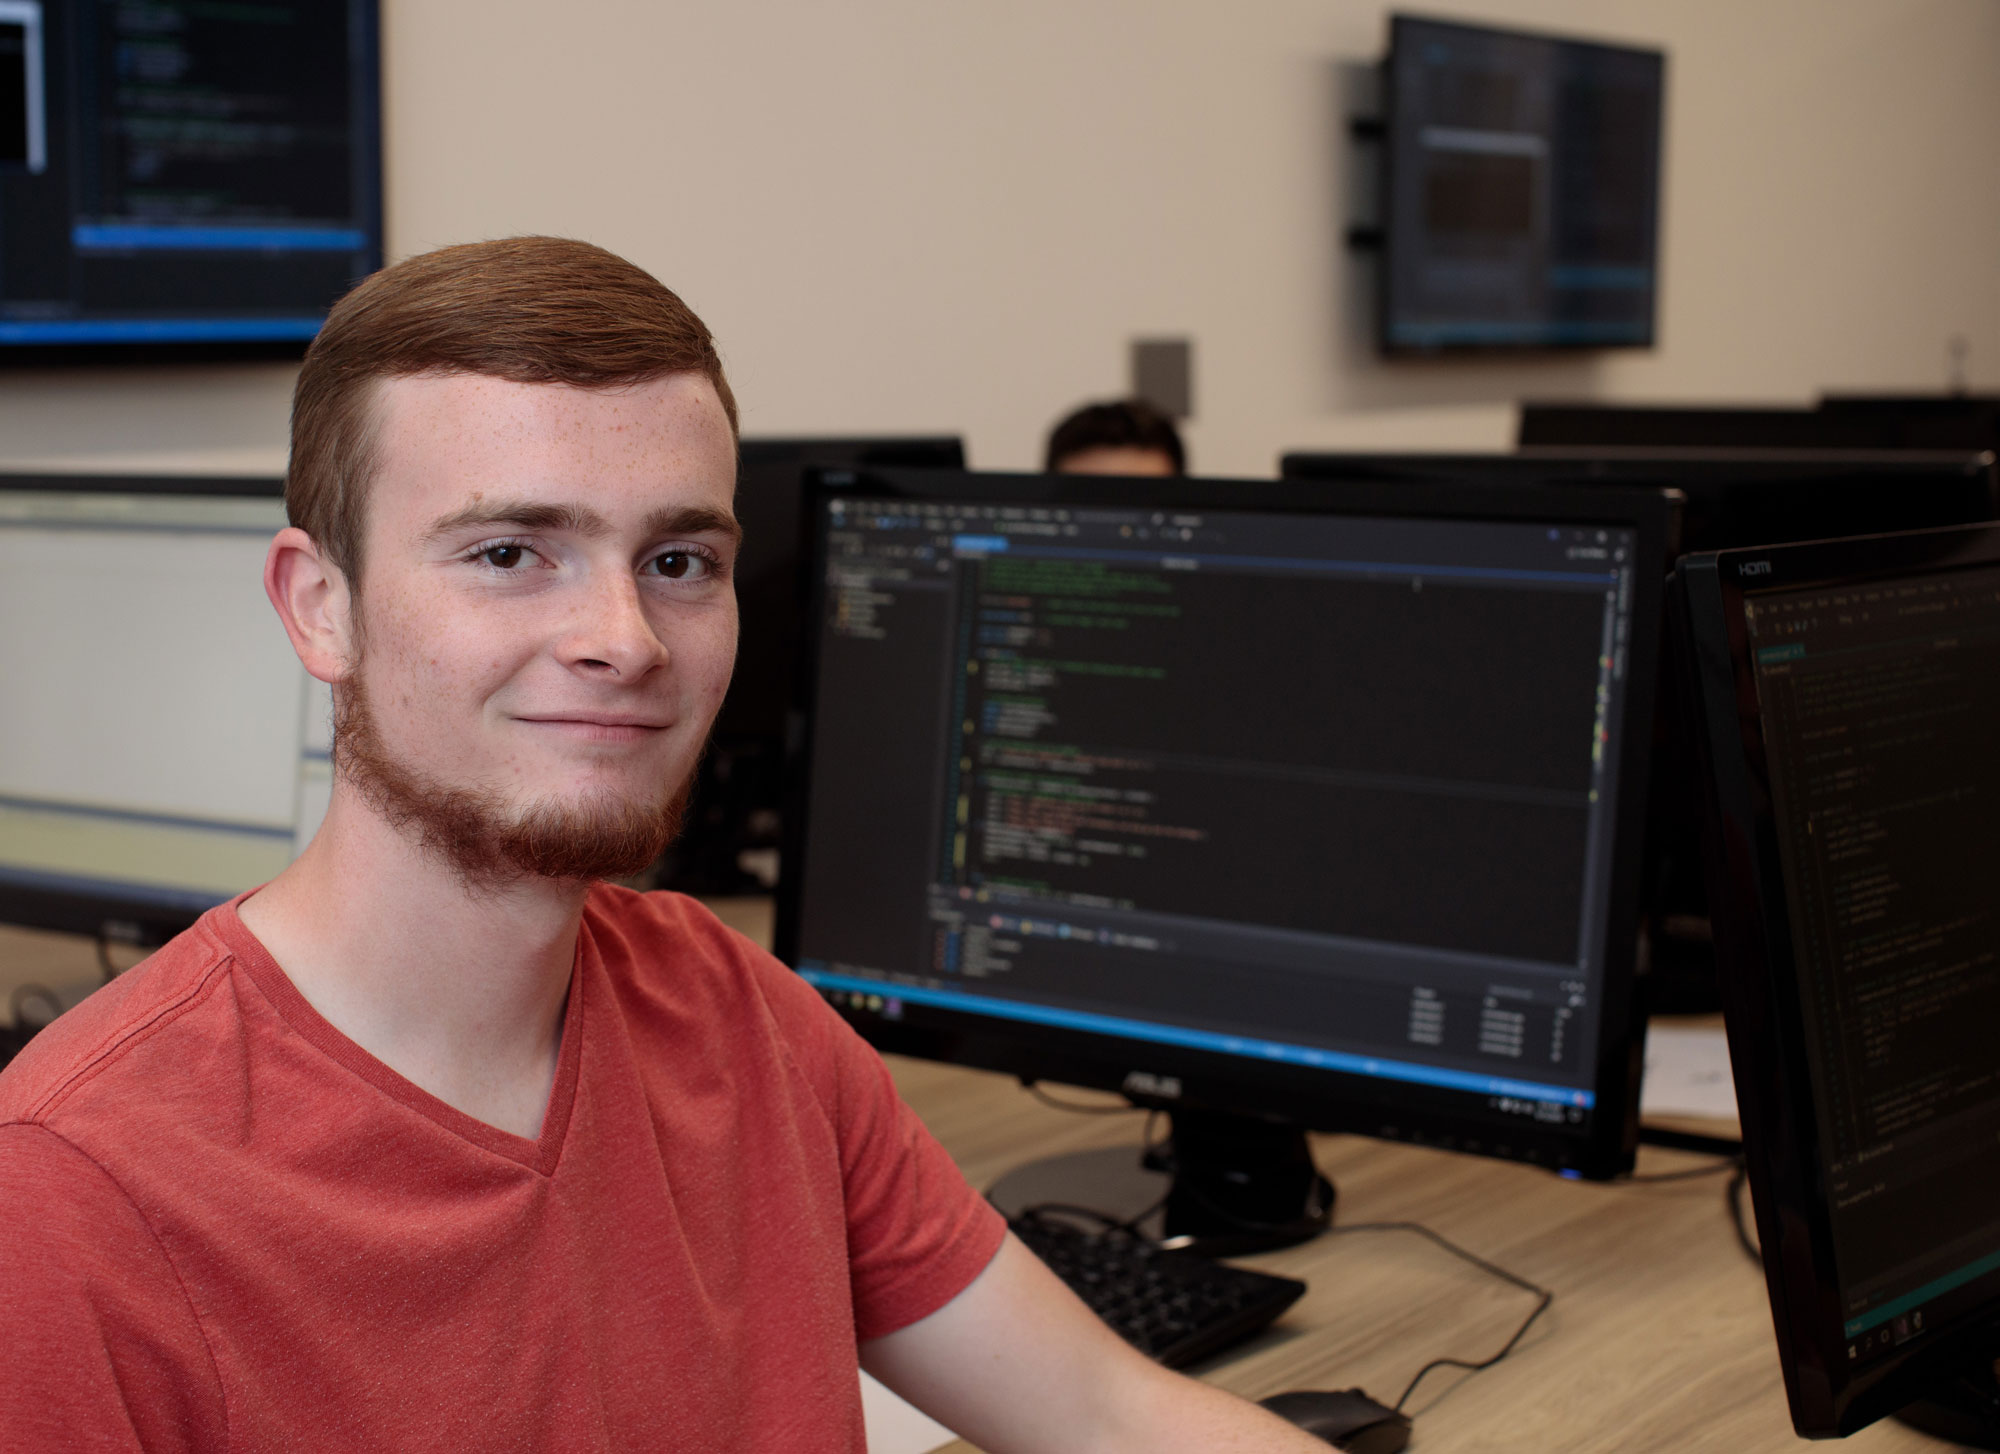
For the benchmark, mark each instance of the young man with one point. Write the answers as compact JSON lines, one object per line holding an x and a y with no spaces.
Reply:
{"x":435,"y":1142}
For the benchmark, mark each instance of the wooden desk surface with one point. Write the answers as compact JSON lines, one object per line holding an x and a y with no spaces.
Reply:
{"x":1659,"y":1337}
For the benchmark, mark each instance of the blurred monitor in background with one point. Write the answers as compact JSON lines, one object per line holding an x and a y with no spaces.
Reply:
{"x":161,"y":748}
{"x":1119,"y":437}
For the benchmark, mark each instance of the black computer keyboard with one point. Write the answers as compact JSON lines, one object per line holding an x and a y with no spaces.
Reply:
{"x":1172,"y":1306}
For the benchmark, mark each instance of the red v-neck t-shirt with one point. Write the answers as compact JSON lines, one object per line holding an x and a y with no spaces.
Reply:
{"x":225,"y":1226}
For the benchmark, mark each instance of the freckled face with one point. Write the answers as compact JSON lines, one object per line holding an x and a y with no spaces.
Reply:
{"x":546,"y":609}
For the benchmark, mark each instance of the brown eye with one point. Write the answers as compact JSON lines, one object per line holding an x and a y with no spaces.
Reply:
{"x":503,"y":557}
{"x":679,"y":565}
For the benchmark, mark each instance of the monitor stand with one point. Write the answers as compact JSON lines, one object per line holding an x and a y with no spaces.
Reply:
{"x":1965,"y":1409}
{"x":1219,"y":1185}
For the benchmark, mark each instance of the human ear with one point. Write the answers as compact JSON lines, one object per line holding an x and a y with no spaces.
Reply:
{"x":311,"y":596}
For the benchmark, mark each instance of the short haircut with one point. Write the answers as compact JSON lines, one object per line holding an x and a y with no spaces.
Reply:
{"x":532,"y":310}
{"x":1116,"y":424}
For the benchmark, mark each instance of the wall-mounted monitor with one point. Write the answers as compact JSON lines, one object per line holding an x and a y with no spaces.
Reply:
{"x":184,"y":179}
{"x":1521,"y":190}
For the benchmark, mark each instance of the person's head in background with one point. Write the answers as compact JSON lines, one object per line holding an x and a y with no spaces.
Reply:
{"x":1121,"y":437}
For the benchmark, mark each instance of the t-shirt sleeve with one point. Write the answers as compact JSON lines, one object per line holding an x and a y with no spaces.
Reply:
{"x":917,"y":1232}
{"x":103,"y":1350}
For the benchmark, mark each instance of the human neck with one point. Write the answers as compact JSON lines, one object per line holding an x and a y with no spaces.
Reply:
{"x":459,"y":991}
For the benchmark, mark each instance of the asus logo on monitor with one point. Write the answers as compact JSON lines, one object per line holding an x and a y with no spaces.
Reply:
{"x":1145,"y":1083}
{"x":1753,"y":568}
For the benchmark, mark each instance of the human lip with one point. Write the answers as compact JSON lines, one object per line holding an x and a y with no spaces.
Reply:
{"x":599,"y":726}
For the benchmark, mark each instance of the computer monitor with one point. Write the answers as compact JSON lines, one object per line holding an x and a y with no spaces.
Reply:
{"x":1272,"y":805}
{"x":730,"y":843}
{"x":1919,"y":421}
{"x":1521,"y":189}
{"x":161,"y":748}
{"x":1849,"y":693}
{"x":184,"y":179}
{"x":1595,"y":427}
{"x":1730,"y":499}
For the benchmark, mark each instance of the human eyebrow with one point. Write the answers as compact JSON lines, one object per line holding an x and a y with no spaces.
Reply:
{"x":522,"y":515}
{"x":693,"y":520}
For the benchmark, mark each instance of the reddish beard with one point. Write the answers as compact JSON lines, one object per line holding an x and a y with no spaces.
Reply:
{"x":474,"y":831}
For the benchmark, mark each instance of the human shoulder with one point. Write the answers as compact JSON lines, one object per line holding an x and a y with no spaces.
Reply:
{"x":116,"y":1032}
{"x":58,"y":1205}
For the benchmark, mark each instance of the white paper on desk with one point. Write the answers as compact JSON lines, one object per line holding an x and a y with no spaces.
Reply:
{"x":1687,"y":1074}
{"x":895,"y":1427}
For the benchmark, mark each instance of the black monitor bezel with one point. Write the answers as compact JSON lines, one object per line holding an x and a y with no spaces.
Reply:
{"x":1400,"y":23}
{"x":1679,"y":466}
{"x":1696,"y":472}
{"x":1760,"y":972}
{"x":125,"y":918}
{"x":366,"y":17}
{"x":1557,"y":424}
{"x":1318,"y":1100}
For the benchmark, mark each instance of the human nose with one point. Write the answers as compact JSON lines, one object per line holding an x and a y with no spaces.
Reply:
{"x":611,"y":635}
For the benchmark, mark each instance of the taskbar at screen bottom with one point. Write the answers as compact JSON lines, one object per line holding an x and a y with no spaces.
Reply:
{"x":46,"y":332}
{"x":888,"y":998}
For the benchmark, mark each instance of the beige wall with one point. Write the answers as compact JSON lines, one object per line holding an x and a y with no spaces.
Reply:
{"x":906,"y":214}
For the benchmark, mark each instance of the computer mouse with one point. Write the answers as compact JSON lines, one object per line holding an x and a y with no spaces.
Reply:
{"x":1346,"y":1418}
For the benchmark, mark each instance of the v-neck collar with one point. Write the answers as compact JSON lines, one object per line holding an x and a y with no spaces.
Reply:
{"x":539,"y":1155}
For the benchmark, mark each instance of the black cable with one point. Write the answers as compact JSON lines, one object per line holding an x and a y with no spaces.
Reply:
{"x":1034,"y":1089}
{"x":1727,"y":1163}
{"x":1733,"y":1197}
{"x":1543,"y":1297}
{"x":1131,"y":1225}
{"x":1689,"y":1141}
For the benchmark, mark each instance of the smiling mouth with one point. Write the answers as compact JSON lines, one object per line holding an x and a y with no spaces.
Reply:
{"x":600,"y":727}
{"x":597,"y":719}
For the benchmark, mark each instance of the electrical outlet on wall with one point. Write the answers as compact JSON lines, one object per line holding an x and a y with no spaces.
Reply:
{"x":1163,"y":374}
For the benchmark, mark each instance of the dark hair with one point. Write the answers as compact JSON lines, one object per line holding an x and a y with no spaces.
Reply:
{"x":532,"y":310}
{"x":1116,"y":424}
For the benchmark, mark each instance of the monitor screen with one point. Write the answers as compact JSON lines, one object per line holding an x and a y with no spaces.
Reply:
{"x":1302,"y":803}
{"x":184,"y":177}
{"x":1521,"y":190}
{"x":161,"y":748}
{"x":1850,"y":693}
{"x":1730,"y":499}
